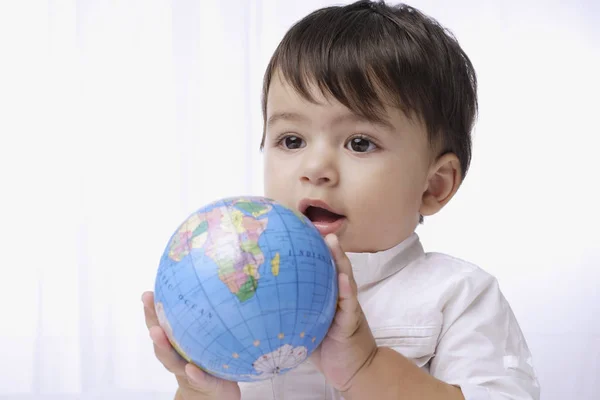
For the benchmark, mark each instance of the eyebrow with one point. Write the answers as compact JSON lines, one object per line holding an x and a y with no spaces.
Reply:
{"x":347,"y":117}
{"x":286,"y":116}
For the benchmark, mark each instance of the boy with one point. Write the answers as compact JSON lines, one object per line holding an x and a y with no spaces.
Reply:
{"x":368,"y":111}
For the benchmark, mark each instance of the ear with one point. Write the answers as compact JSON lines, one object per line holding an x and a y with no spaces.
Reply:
{"x":442,"y":183}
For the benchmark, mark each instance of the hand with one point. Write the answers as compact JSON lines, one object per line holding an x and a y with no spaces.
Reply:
{"x":349,"y":346}
{"x":194,"y":384}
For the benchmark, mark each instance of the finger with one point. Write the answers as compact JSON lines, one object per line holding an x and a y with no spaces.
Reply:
{"x":342,"y":262}
{"x":165,"y":353}
{"x":148,"y":299}
{"x":149,"y":310}
{"x":348,"y":316}
{"x":159,"y":337}
{"x":208,"y":385}
{"x":348,"y":300}
{"x":200,"y":380}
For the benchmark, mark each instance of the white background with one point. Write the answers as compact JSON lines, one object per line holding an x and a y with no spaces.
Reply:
{"x":119,"y":118}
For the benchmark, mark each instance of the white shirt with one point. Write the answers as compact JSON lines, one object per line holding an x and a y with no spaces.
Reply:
{"x":446,"y":315}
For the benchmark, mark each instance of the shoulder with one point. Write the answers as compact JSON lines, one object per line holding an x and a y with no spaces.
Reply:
{"x":431,"y":280}
{"x":463,"y":291}
{"x":443,"y":284}
{"x":433,"y":289}
{"x":453,"y":266}
{"x":463,"y":281}
{"x":442,"y":272}
{"x":480,"y":338}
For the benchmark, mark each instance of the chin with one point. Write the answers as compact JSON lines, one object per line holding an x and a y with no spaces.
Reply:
{"x":350,"y":246}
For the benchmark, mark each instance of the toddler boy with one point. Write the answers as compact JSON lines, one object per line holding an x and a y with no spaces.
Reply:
{"x":368,"y":111}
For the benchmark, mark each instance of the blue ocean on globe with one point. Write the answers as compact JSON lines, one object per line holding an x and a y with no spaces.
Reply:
{"x":246,"y":289}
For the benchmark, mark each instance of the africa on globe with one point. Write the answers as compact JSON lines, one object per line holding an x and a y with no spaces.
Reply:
{"x":246,"y":288}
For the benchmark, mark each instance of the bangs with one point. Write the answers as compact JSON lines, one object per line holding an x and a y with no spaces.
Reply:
{"x":349,"y":57}
{"x":370,"y":56}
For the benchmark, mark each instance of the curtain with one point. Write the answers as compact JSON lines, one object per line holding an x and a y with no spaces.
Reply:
{"x":119,"y":118}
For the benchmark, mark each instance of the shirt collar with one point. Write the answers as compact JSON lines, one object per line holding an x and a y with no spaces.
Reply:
{"x":370,"y":268}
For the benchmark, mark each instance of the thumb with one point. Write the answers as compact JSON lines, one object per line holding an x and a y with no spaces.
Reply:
{"x":349,"y":316}
{"x":342,"y":262}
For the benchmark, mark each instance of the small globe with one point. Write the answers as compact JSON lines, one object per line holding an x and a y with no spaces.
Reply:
{"x":246,"y":289}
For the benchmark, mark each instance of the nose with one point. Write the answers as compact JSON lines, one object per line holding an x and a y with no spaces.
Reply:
{"x":320,"y":167}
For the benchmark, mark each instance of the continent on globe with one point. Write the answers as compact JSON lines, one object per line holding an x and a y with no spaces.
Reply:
{"x":192,"y":234}
{"x":237,"y":266}
{"x":257,"y":210}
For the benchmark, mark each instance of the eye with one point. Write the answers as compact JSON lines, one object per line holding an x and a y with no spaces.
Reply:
{"x":292,"y":142}
{"x":360,"y":144}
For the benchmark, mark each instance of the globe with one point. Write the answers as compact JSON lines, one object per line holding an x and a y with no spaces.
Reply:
{"x":246,"y":288}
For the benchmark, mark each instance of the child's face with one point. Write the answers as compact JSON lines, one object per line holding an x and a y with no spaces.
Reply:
{"x":373,"y":176}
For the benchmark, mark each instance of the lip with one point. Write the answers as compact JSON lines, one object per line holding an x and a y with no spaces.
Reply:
{"x":305,"y":203}
{"x":324,"y":228}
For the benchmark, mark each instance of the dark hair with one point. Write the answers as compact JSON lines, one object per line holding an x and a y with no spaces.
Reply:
{"x":367,"y":54}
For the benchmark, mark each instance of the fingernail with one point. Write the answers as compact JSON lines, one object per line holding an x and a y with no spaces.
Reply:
{"x":330,"y":239}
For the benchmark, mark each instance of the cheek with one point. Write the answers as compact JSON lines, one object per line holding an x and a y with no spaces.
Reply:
{"x":274,"y":178}
{"x":396,"y":187}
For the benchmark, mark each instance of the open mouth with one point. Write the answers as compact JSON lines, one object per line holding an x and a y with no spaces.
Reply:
{"x":322,"y":215}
